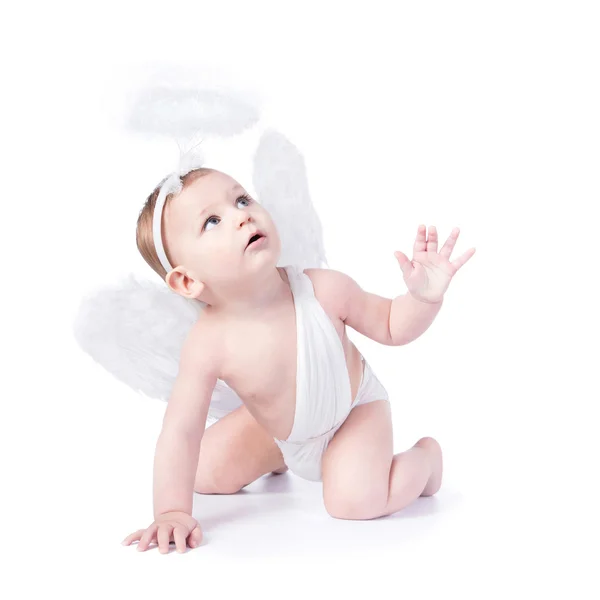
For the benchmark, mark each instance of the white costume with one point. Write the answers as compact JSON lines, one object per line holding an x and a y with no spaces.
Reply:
{"x":323,"y":393}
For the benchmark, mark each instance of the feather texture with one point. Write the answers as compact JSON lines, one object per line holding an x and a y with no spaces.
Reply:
{"x":281,"y":184}
{"x":178,"y":102}
{"x":136,"y":329}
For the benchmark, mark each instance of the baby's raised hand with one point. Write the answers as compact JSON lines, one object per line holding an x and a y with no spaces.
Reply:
{"x":428,"y":275}
{"x":178,"y":527}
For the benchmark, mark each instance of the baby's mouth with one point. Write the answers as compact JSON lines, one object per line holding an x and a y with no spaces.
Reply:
{"x":254,"y":238}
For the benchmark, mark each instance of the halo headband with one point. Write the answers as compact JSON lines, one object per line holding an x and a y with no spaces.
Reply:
{"x":166,"y":188}
{"x":172,"y":184}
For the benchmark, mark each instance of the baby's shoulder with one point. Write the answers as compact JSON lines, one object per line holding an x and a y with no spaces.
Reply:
{"x":328,"y":285}
{"x":204,"y":341}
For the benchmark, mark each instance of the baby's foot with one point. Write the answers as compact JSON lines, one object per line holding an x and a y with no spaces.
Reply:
{"x":280,"y":470}
{"x":435,"y":452}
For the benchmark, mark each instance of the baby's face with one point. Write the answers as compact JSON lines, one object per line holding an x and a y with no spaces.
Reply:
{"x":208,"y":227}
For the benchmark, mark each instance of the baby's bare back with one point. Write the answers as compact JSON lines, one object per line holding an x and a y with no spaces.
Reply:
{"x":258,"y":359}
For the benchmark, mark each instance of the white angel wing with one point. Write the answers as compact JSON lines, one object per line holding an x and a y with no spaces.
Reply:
{"x":281,"y":185}
{"x":135,"y":330}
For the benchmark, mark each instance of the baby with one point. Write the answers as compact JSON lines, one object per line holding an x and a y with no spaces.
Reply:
{"x":276,"y":336}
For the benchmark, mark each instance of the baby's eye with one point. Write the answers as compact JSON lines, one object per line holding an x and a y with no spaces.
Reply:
{"x":208,"y":221}
{"x":245,"y":199}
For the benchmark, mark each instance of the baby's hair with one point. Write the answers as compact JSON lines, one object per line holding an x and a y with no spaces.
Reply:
{"x":143,"y":235}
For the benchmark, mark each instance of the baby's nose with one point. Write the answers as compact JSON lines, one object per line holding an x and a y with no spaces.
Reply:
{"x":244,"y":218}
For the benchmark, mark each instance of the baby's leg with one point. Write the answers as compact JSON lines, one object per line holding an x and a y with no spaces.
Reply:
{"x":234,"y":452}
{"x":362,"y":479}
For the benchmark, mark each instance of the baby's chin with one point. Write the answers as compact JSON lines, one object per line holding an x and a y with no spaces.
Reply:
{"x":253,"y":261}
{"x":248,"y":267}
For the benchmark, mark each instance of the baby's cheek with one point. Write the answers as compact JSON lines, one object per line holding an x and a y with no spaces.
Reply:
{"x":223,"y":257}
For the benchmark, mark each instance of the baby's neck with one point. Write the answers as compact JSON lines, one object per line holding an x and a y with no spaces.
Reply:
{"x":263,"y":295}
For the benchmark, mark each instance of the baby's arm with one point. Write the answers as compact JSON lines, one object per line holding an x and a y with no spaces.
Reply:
{"x":178,"y":447}
{"x":393,"y":322}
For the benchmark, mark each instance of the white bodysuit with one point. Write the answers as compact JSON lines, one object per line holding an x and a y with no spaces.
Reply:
{"x":323,"y":390}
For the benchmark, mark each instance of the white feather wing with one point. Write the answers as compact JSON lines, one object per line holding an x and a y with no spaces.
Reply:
{"x":136,"y":330}
{"x":281,"y":184}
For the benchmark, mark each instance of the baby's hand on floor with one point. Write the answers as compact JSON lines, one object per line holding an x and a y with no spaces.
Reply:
{"x":178,"y":527}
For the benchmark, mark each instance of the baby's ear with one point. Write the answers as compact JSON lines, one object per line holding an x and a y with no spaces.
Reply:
{"x":184,"y":284}
{"x":196,"y":289}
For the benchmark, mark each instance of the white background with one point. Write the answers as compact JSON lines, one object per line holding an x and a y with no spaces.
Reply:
{"x":481,"y":115}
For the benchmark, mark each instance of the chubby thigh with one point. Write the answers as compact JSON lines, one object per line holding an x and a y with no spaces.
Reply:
{"x":234,"y":452}
{"x":356,"y":464}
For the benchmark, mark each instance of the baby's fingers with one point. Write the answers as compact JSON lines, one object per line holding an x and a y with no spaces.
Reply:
{"x":132,"y":537}
{"x":195,"y":537}
{"x":179,"y":536}
{"x":164,"y":537}
{"x":147,"y":537}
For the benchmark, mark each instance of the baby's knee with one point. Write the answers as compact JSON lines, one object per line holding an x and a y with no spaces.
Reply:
{"x":213,"y":483}
{"x":355,"y":506}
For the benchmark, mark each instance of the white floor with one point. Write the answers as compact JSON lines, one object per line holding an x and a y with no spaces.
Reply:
{"x":275,"y":539}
